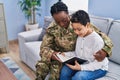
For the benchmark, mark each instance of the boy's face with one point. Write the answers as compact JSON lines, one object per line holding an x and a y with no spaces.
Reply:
{"x":80,"y":29}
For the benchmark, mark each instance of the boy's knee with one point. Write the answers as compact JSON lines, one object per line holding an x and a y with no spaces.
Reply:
{"x":79,"y":76}
{"x":66,"y":71}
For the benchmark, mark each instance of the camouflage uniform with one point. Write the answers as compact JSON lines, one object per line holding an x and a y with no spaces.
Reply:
{"x":60,"y":39}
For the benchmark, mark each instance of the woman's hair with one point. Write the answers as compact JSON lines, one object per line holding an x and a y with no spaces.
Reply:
{"x":57,"y":7}
{"x":80,"y":17}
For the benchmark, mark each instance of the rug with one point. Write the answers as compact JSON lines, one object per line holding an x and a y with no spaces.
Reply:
{"x":15,"y":69}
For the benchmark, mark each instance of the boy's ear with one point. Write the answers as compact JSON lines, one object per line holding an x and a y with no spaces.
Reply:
{"x":88,"y":24}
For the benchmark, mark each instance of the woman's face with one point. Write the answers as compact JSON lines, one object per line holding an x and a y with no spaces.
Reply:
{"x":62,"y":19}
{"x":80,"y":29}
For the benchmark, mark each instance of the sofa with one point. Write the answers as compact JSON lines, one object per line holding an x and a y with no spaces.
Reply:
{"x":30,"y":41}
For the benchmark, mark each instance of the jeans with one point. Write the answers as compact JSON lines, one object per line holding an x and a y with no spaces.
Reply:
{"x":69,"y":74}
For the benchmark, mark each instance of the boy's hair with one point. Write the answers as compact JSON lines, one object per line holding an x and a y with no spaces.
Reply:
{"x":57,"y":7}
{"x":80,"y":17}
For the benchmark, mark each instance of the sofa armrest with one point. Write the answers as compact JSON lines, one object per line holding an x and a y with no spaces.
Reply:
{"x":29,"y":36}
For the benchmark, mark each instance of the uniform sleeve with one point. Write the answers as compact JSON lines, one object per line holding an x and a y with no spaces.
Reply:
{"x":108,"y":44}
{"x":47,"y":45}
{"x":107,"y":41}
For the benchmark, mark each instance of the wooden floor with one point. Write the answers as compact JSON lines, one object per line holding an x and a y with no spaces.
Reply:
{"x":14,"y":54}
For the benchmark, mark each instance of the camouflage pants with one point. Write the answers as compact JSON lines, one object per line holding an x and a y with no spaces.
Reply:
{"x":43,"y":68}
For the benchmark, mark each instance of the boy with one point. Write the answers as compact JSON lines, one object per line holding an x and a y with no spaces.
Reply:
{"x":88,"y":43}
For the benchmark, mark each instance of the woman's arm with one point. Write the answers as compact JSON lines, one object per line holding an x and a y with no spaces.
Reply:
{"x":46,"y":48}
{"x":107,"y":41}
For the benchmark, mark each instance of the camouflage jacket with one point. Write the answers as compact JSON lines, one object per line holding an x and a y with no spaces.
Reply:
{"x":60,"y":39}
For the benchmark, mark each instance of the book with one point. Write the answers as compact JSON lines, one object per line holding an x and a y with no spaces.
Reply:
{"x":70,"y":60}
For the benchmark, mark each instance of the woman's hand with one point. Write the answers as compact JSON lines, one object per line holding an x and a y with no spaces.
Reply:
{"x":100,"y":55}
{"x":74,"y":67}
{"x":54,"y":57}
{"x":62,"y":54}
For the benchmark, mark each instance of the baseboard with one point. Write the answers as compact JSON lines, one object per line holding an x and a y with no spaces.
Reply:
{"x":13,"y":41}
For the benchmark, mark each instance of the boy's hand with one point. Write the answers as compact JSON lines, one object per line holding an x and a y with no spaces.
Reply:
{"x":74,"y":67}
{"x":100,"y":55}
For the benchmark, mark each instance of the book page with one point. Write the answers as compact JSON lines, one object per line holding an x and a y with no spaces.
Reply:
{"x":70,"y":60}
{"x":63,"y":58}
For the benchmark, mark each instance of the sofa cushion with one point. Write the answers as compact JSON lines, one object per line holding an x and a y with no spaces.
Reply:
{"x":101,"y":22}
{"x":47,"y":21}
{"x":114,"y":70}
{"x":114,"y":35}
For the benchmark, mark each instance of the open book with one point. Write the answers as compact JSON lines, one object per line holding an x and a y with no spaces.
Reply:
{"x":70,"y":60}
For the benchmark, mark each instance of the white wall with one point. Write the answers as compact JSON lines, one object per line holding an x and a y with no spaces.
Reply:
{"x":74,"y":5}
{"x":105,"y":8}
{"x":15,"y":19}
{"x":49,"y":3}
